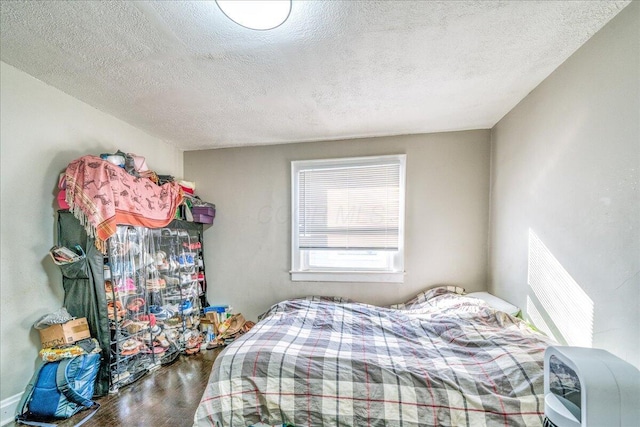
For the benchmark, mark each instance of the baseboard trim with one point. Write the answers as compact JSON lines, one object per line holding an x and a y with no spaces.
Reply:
{"x":8,"y":408}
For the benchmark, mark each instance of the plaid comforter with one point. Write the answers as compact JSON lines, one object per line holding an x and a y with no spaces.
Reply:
{"x":438,"y":360}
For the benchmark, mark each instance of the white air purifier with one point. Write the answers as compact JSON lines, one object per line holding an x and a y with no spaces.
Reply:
{"x":588,"y":387}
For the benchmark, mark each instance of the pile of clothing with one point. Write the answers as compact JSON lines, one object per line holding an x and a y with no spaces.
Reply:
{"x":119,"y":188}
{"x":101,"y":194}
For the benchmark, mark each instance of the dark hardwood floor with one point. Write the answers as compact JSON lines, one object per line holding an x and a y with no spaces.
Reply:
{"x":167,"y":396}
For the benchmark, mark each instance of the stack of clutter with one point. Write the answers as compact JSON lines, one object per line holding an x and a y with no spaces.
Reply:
{"x":229,"y":330}
{"x":192,"y":208}
{"x":217,"y":314}
{"x":188,"y":187}
{"x":213,"y":316}
{"x":64,"y":336}
{"x":220,"y":327}
{"x":133,"y":164}
{"x":195,"y":210}
{"x":152,"y":295}
{"x":63,"y":383}
{"x":203,"y":212}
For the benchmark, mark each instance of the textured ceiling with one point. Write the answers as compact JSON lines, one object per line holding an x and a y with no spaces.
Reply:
{"x":336,"y":69}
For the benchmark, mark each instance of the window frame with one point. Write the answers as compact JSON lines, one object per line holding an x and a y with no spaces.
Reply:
{"x":300,"y":270}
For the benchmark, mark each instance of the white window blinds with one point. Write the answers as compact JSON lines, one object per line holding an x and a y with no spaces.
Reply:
{"x":351,"y":203}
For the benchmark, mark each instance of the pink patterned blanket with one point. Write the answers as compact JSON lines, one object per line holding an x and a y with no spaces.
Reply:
{"x":102,"y":195}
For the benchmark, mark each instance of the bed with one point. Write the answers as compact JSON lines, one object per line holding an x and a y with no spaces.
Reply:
{"x":441,"y":359}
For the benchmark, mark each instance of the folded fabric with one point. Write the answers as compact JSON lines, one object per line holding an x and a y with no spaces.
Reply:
{"x":87,"y":346}
{"x":188,"y":184}
{"x":102,"y":195}
{"x":62,"y":196}
{"x":57,"y":317}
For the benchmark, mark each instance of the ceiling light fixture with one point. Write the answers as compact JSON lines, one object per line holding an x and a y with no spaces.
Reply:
{"x":256,"y":14}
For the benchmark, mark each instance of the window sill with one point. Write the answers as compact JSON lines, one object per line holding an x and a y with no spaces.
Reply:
{"x":347,"y":276}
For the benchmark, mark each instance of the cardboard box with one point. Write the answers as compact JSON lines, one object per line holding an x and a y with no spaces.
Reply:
{"x":65,"y":334}
{"x":209,"y":319}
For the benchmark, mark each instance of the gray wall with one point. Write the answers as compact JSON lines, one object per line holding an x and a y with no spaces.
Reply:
{"x":565,"y":203}
{"x":248,"y":247}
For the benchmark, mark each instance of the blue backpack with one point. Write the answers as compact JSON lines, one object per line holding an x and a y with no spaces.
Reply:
{"x":59,"y":390}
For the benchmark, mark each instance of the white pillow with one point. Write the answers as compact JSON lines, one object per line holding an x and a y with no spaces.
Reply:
{"x":495,"y":302}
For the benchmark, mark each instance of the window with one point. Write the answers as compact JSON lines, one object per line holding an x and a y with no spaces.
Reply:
{"x":348,"y":219}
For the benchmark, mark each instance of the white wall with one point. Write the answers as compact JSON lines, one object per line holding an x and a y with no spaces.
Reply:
{"x":42,"y":131}
{"x":565,"y":205}
{"x":247,"y":249}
